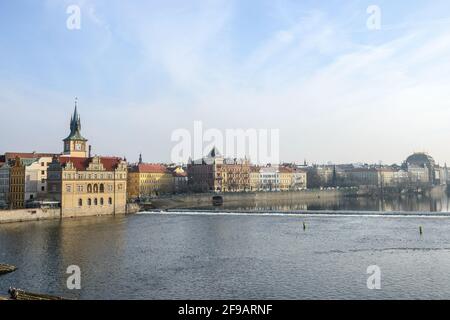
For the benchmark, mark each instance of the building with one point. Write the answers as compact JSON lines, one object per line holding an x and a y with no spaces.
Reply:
{"x":236,"y":175}
{"x":4,"y":185}
{"x":214,"y":173}
{"x":286,"y":178}
{"x":17,"y":199}
{"x":75,"y":145}
{"x":269,"y":178}
{"x":146,"y":180}
{"x":421,"y":168}
{"x":180,"y":180}
{"x":419,"y":174}
{"x":36,"y":179}
{"x":300,"y":181}
{"x":85,"y":185}
{"x":254,"y":178}
{"x":365,"y":176}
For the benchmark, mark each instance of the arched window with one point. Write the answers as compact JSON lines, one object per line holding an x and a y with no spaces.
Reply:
{"x":110,"y":200}
{"x":89,"y":188}
{"x":101,"y":201}
{"x":95,"y":188}
{"x":80,"y":202}
{"x":89,"y":202}
{"x":95,"y":201}
{"x":102,"y":188}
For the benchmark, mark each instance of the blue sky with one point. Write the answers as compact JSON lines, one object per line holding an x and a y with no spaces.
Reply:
{"x":336,"y":90}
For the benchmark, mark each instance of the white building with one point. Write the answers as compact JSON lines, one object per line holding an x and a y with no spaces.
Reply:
{"x":269,"y":178}
{"x":300,"y":179}
{"x":36,"y":179}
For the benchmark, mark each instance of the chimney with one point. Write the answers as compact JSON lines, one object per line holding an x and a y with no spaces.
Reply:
{"x":90,"y":151}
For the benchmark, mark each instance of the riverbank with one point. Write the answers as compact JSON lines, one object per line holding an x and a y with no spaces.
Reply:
{"x":36,"y":214}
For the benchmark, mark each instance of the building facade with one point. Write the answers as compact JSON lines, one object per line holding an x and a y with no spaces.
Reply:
{"x":300,"y":181}
{"x":86,"y":185}
{"x":147,"y":180}
{"x":255,"y":184}
{"x":36,"y":179}
{"x":286,"y":178}
{"x":214,"y":173}
{"x":269,"y":178}
{"x":4,"y":185}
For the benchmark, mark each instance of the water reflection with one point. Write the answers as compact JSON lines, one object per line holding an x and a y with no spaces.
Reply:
{"x":408,"y":203}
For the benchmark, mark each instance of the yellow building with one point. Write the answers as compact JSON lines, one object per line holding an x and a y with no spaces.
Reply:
{"x":255,"y":178}
{"x":86,"y":185}
{"x":146,"y":180}
{"x":286,"y":178}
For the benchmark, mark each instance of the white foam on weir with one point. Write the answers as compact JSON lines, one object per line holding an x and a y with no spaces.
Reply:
{"x":323,"y":213}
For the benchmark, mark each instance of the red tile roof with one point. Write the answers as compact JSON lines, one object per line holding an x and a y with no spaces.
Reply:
{"x":149,"y":168}
{"x":28,"y":155}
{"x":81,"y":164}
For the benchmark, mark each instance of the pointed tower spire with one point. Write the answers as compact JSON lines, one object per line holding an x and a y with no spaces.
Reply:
{"x":140,"y":158}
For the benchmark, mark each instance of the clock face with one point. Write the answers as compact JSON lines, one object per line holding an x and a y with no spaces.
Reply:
{"x":78,"y":146}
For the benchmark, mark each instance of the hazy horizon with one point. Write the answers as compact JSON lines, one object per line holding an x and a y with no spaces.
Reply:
{"x":338,"y":91}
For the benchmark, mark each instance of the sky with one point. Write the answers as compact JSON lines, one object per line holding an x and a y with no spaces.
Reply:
{"x":337,"y":90}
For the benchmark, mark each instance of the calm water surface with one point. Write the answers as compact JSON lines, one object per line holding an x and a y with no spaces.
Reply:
{"x":214,"y":256}
{"x":408,"y":203}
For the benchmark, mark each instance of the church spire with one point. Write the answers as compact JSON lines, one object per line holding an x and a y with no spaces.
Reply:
{"x":75,"y":125}
{"x":75,"y":120}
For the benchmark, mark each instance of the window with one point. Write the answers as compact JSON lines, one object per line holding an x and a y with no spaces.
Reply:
{"x":42,"y":188}
{"x":109,"y":200}
{"x":42,"y":172}
{"x":95,"y":201}
{"x":110,"y":187}
{"x":89,"y":201}
{"x":101,"y":201}
{"x":89,"y":188}
{"x":80,"y":188}
{"x":68,"y":188}
{"x":80,"y":202}
{"x":95,"y":188}
{"x":102,"y":188}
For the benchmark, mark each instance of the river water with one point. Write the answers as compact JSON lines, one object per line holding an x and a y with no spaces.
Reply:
{"x":231,"y":256}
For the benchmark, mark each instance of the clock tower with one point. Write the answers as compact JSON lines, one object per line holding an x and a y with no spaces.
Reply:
{"x":75,"y":144}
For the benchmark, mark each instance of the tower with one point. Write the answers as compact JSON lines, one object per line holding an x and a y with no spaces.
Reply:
{"x":75,"y":144}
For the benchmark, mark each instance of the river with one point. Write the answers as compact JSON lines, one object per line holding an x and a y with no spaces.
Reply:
{"x":231,"y":256}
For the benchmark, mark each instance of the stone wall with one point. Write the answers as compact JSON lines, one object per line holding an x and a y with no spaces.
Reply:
{"x":7,"y":216}
{"x":98,"y":210}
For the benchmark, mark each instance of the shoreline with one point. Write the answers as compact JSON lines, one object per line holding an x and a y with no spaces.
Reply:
{"x":303,"y":213}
